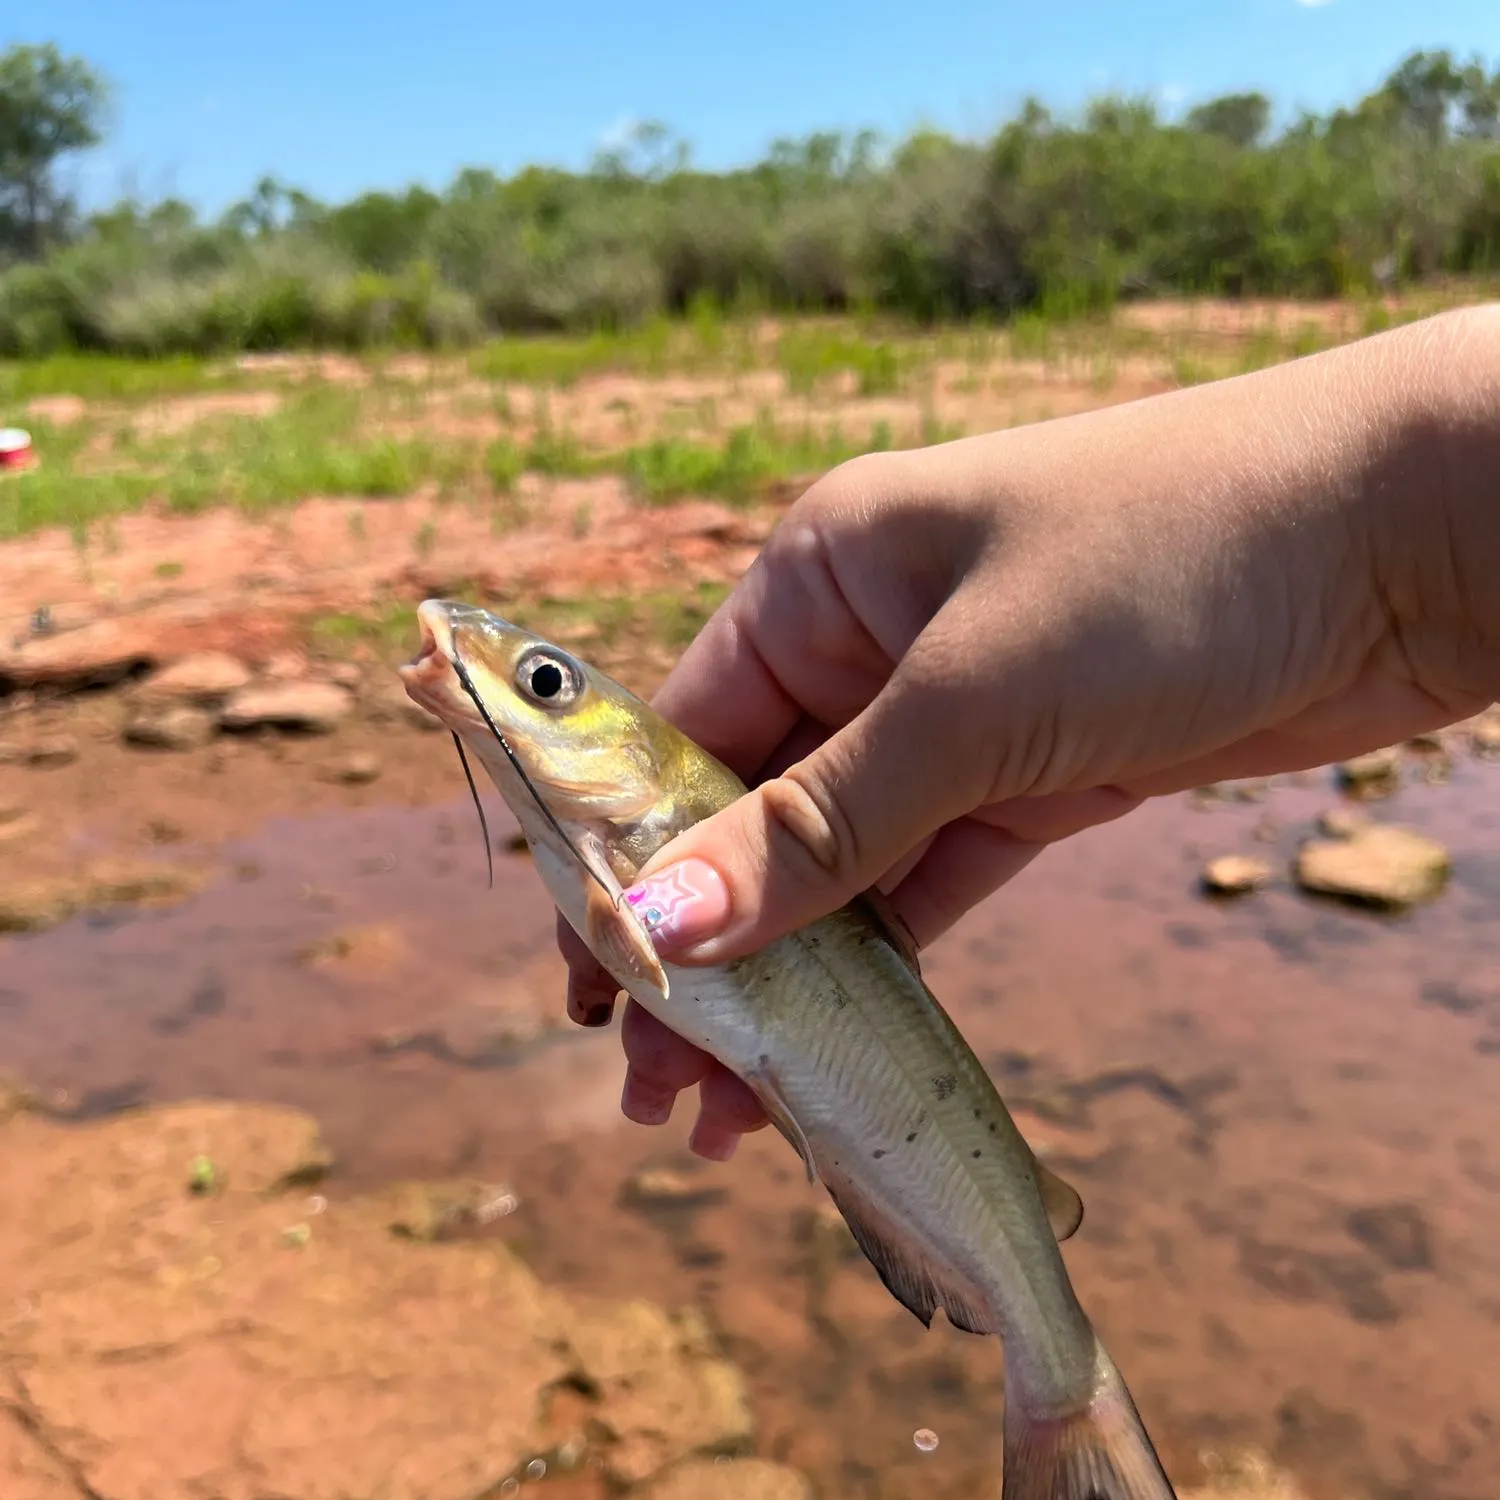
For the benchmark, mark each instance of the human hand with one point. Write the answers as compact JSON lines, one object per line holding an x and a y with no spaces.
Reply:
{"x":946,"y":659}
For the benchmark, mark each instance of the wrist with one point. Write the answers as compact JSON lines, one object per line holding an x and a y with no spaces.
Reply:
{"x":1437,"y":503}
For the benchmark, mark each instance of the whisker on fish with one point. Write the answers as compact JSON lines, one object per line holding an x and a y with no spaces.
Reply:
{"x":484,"y":827}
{"x":468,"y":686}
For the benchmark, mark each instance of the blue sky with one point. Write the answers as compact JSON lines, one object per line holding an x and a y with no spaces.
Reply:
{"x":337,"y":96}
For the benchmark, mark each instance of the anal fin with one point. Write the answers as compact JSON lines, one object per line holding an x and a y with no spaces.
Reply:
{"x":1064,"y":1206}
{"x":912,"y":1283}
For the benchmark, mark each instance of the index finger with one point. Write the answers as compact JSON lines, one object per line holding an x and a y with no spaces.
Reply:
{"x":722,"y":693}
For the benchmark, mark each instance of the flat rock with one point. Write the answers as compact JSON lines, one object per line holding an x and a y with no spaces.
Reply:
{"x":94,"y":655}
{"x":1377,"y":773}
{"x":51,"y":750}
{"x":206,"y":678}
{"x":247,"y":1341}
{"x":1379,"y":865}
{"x":313,"y":707}
{"x":1235,"y":874}
{"x":173,"y":726}
{"x":34,"y":904}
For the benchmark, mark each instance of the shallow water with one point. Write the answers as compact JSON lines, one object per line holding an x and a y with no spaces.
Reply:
{"x":1281,"y":1114}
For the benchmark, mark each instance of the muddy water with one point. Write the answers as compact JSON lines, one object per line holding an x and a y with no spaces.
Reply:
{"x":1281,"y":1113}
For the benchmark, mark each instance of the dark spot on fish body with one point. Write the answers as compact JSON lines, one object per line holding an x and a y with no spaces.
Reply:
{"x":977,"y":1152}
{"x":911,"y":1137}
{"x":877,"y":1153}
{"x":944,"y":1086}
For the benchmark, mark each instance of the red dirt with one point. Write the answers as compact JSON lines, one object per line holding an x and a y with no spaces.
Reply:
{"x":1277,"y":1109}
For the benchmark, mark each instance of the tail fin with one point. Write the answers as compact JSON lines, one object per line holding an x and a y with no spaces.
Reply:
{"x":1099,"y":1453}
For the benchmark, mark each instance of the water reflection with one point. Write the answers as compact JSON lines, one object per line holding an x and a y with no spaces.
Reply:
{"x":1280,"y":1113}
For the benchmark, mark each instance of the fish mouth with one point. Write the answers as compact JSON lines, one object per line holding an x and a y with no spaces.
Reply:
{"x":429,"y":677}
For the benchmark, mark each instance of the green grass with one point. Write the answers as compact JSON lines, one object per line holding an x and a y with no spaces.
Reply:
{"x":111,"y":377}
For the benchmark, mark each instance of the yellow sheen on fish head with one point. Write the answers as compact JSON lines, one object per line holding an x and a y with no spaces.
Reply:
{"x":586,"y":743}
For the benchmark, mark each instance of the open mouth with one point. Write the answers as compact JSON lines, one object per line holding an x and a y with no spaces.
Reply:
{"x":429,"y":678}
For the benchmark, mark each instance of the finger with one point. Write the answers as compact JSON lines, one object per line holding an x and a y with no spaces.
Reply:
{"x":965,"y":863}
{"x":722,"y":693}
{"x":591,"y":988}
{"x":802,"y":844}
{"x":727,"y":1110}
{"x":660,"y":1064}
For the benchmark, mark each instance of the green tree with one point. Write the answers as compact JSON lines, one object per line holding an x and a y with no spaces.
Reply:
{"x":50,"y":106}
{"x":1240,"y":119}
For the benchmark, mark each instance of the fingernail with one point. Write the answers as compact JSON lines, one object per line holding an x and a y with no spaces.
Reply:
{"x":645,"y":1105}
{"x":682,"y":904}
{"x":712,"y":1143}
{"x":599,"y":1014}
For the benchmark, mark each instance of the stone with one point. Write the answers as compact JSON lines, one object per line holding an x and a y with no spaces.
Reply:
{"x":1376,"y":774}
{"x":358,"y":769}
{"x":32,"y":905}
{"x":49,"y":751}
{"x":313,"y":707}
{"x":1485,"y":739}
{"x":663,"y":1187}
{"x":1235,"y":874}
{"x":246,"y":1342}
{"x":206,"y":678}
{"x":175,"y":726}
{"x":93,"y":655}
{"x":346,"y":674}
{"x":730,"y":1479}
{"x":1342,"y":822}
{"x":1379,"y":865}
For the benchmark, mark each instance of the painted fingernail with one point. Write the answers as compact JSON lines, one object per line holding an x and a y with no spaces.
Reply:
{"x":599,"y":1014}
{"x":682,"y":904}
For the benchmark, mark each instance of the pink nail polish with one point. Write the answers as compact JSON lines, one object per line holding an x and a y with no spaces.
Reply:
{"x":682,"y":904}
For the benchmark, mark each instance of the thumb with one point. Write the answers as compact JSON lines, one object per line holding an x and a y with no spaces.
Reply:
{"x":799,"y":846}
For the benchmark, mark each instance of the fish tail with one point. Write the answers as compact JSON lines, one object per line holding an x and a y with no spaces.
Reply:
{"x":1100,"y":1452}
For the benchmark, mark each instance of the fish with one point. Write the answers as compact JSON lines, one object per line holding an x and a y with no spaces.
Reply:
{"x":833,"y":1028}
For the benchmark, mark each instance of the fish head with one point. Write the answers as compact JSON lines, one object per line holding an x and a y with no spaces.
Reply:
{"x":532,"y":712}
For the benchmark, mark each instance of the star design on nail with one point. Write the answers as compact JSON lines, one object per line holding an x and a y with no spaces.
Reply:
{"x":668,"y":894}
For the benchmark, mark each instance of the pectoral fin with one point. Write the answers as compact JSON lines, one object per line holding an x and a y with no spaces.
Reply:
{"x":763,"y":1085}
{"x":879,"y":907}
{"x":612,"y":930}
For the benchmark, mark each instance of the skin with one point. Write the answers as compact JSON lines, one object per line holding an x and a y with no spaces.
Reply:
{"x":1260,"y":575}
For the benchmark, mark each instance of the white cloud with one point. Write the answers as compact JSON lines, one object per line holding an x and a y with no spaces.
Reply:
{"x":1313,"y":4}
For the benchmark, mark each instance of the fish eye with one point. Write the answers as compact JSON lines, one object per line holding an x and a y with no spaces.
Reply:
{"x":548,"y":679}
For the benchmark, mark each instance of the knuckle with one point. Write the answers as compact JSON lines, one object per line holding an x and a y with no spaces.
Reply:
{"x":805,"y":817}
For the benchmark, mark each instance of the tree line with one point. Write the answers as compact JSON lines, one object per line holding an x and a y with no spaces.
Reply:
{"x":1054,"y":214}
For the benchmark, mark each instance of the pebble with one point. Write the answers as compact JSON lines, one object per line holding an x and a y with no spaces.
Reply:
{"x":1378,"y":864}
{"x":358,"y":769}
{"x":179,"y":726}
{"x":205,"y":678}
{"x":1486,"y":738}
{"x":1235,"y":874}
{"x":1376,"y":774}
{"x":315,"y":707}
{"x":1342,"y":822}
{"x":54,"y":750}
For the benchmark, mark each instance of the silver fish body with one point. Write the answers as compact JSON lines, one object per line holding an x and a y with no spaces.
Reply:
{"x":856,"y":1063}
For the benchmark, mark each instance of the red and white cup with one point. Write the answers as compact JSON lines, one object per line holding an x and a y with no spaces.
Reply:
{"x":16,"y":451}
